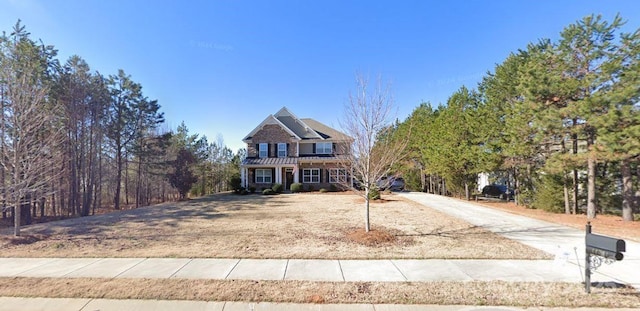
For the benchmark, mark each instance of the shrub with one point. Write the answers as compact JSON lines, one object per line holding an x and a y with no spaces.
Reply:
{"x":333,"y":188}
{"x":323,"y":190}
{"x":549,"y":193}
{"x":296,"y":187}
{"x":374,"y":193}
{"x":268,"y":191}
{"x":252,"y":189}
{"x":235,"y":183}
{"x":310,"y":187}
{"x":244,"y":192}
{"x":277,"y":188}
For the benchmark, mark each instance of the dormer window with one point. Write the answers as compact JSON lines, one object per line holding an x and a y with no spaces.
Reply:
{"x":282,"y":150}
{"x":263,"y":150}
{"x":324,"y":148}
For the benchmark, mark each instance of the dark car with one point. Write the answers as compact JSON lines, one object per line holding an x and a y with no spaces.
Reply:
{"x":397,"y":184}
{"x":497,"y":191}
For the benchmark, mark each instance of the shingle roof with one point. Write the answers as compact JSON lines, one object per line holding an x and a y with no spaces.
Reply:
{"x":306,"y":128}
{"x":325,"y":131}
{"x":298,"y":128}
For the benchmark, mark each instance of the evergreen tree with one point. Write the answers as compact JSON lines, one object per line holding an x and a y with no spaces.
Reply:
{"x":182,"y":178}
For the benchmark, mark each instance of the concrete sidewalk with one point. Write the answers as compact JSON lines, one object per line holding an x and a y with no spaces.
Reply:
{"x":294,"y":269}
{"x":562,"y":241}
{"x":86,"y":304}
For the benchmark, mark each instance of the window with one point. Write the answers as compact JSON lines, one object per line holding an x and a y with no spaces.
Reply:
{"x":263,"y":176}
{"x":282,"y":150}
{"x":337,"y":175}
{"x":311,"y":175}
{"x":263,"y":150}
{"x":323,"y":148}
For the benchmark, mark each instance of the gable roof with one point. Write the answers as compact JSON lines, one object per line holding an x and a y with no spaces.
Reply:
{"x":300,"y":129}
{"x":325,"y":131}
{"x":270,"y":120}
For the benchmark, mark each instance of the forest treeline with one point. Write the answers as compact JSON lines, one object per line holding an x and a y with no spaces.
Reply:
{"x":558,"y":121}
{"x":73,"y":141}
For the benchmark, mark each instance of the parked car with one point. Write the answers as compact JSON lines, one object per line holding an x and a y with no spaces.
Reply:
{"x":397,"y":184}
{"x":497,"y":191}
{"x":391,"y":183}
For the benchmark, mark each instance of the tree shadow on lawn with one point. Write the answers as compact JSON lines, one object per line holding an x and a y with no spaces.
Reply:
{"x":174,"y":214}
{"x":450,"y":233}
{"x":482,"y":230}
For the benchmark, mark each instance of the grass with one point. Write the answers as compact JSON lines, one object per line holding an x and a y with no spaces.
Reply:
{"x":304,"y":226}
{"x":496,"y":293}
{"x":323,"y":226}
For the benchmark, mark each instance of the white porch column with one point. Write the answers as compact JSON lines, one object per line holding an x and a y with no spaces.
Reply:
{"x":243,"y":177}
{"x":246,"y":177}
{"x":278,"y":174}
{"x":296,"y":174}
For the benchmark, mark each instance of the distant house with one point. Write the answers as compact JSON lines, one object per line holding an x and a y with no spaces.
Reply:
{"x":285,"y":149}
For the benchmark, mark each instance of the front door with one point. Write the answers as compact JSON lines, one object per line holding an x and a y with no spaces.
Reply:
{"x":288,"y":176}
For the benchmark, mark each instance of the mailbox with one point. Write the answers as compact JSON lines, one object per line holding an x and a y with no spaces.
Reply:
{"x":604,"y":246}
{"x":600,"y":246}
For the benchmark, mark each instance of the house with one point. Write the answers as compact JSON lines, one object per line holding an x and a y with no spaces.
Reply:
{"x":286,"y":149}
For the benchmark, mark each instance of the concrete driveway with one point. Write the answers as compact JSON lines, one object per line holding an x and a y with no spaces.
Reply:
{"x":566,"y":243}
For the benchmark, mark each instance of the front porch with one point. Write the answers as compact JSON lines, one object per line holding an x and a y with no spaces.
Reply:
{"x":313,"y":172}
{"x":266,"y":177}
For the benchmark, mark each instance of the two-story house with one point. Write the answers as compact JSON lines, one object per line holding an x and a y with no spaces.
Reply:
{"x":285,"y":149}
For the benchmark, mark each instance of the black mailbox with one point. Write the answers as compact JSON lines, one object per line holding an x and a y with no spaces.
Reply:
{"x":600,"y":246}
{"x":605,"y":246}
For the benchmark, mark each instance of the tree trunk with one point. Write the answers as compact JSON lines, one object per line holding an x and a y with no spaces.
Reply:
{"x":637,"y":200}
{"x":565,"y":188}
{"x":126,"y":180}
{"x":574,"y":150}
{"x":628,"y":197}
{"x":565,"y":184}
{"x":466,"y":191}
{"x":516,"y":198}
{"x":139,"y":183}
{"x":116,"y":199}
{"x":444,"y":187}
{"x":367,"y":225}
{"x":591,"y":180}
{"x":17,"y":218}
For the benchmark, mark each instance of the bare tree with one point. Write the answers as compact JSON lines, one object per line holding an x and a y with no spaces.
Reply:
{"x":31,"y":130}
{"x":374,"y":150}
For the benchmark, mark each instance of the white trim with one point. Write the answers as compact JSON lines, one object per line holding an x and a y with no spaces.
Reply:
{"x":243,"y":177}
{"x":324,"y":148}
{"x":311,"y":175}
{"x":284,"y":112}
{"x":266,"y":151}
{"x":270,"y":120}
{"x":338,"y":178}
{"x":278,"y":170}
{"x":278,"y":150}
{"x":264,"y":176}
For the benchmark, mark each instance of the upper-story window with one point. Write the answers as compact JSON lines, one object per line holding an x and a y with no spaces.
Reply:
{"x":282,"y":150}
{"x":324,"y":148}
{"x":263,"y":150}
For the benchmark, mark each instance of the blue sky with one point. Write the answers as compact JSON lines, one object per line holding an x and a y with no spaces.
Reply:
{"x":223,"y":66}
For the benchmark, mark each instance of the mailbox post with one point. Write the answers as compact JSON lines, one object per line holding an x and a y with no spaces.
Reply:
{"x":600,"y":248}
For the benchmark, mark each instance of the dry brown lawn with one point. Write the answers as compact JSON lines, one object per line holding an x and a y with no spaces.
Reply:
{"x":496,"y":293}
{"x":318,"y":226}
